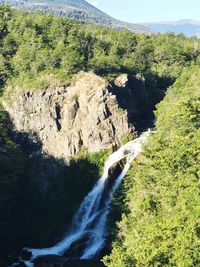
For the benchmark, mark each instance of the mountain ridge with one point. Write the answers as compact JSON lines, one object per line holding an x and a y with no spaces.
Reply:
{"x":188,"y":27}
{"x":177,"y":22}
{"x":79,"y":10}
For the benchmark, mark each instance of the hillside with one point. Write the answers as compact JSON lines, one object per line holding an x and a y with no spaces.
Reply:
{"x":161,"y":224}
{"x":187,"y":27}
{"x":76,"y":9}
{"x":68,"y":90}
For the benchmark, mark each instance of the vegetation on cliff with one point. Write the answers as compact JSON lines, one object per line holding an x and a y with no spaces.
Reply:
{"x":38,"y":194}
{"x":160,"y":225}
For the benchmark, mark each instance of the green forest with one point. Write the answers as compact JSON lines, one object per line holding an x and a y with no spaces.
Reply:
{"x":36,"y":48}
{"x":160,"y":224}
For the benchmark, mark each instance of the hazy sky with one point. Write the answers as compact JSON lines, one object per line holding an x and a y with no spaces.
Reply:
{"x":150,"y":10}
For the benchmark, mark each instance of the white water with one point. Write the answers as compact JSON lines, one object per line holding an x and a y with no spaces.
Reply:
{"x":89,"y":223}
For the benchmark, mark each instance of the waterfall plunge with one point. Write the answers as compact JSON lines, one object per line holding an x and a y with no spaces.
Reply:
{"x":90,"y":220}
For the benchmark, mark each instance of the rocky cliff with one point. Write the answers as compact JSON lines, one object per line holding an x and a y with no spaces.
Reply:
{"x":87,"y":114}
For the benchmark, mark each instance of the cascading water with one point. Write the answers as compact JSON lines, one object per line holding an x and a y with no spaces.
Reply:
{"x":89,"y":223}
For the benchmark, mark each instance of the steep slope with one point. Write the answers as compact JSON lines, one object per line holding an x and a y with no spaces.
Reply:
{"x":187,"y":27}
{"x":38,"y":193}
{"x":161,"y":226}
{"x":64,"y":118}
{"x":76,"y":9}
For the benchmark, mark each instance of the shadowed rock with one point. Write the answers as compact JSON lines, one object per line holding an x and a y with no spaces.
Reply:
{"x":85,"y":114}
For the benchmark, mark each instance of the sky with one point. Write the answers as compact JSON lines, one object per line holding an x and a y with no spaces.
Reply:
{"x":150,"y":10}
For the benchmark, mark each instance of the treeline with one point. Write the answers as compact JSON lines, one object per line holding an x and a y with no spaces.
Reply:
{"x":77,"y":10}
{"x":161,"y":224}
{"x":34,"y":48}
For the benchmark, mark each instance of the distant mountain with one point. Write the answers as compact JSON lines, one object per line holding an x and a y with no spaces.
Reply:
{"x":76,"y":9}
{"x":187,"y":27}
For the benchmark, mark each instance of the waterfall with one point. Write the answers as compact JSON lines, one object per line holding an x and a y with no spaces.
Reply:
{"x":89,"y":223}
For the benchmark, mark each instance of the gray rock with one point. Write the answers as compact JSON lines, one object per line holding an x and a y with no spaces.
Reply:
{"x":86,"y":114}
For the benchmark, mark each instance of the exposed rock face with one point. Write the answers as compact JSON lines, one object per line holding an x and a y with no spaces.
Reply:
{"x":86,"y":114}
{"x":132,"y":95}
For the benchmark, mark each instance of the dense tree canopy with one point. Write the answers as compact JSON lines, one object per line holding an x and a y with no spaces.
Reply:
{"x":161,"y":224}
{"x":34,"y":46}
